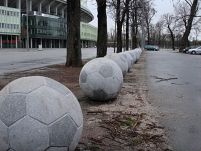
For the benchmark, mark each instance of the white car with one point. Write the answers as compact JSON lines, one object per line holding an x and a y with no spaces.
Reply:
{"x":195,"y":50}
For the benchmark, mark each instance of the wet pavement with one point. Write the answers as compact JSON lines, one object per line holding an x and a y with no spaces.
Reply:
{"x":174,"y":82}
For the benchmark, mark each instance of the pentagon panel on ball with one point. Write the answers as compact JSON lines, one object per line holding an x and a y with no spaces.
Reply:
{"x":101,"y":79}
{"x":38,"y":113}
{"x":120,"y":61}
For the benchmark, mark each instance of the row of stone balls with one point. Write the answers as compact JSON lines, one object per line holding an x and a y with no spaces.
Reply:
{"x":101,"y":79}
{"x":38,"y":113}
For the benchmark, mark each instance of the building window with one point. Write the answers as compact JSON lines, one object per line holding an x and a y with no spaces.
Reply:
{"x":2,"y":25}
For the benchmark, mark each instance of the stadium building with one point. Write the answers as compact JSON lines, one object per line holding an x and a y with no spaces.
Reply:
{"x":46,"y":24}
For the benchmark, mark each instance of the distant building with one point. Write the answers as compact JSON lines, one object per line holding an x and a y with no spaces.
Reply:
{"x":46,"y":24}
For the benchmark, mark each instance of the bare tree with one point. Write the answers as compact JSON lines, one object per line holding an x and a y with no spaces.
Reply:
{"x":135,"y":17}
{"x":182,"y":12}
{"x":158,"y":30}
{"x":197,"y":30}
{"x":149,"y":14}
{"x":23,"y":35}
{"x":121,"y":8}
{"x":169,"y":21}
{"x":73,"y":57}
{"x":193,"y":10}
{"x":127,"y":28}
{"x":102,"y":28}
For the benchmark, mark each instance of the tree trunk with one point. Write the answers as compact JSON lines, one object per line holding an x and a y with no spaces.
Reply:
{"x":184,"y":41}
{"x":136,"y":27}
{"x":127,"y":29}
{"x":102,"y":28}
{"x":159,"y":38}
{"x":119,"y":36}
{"x":134,"y":35}
{"x":115,"y":33}
{"x":148,"y":36}
{"x":172,"y":37}
{"x":73,"y":57}
{"x":119,"y":30}
{"x":120,"y":23}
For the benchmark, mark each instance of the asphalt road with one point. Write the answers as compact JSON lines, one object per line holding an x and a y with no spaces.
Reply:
{"x":174,"y":83}
{"x":13,"y":60}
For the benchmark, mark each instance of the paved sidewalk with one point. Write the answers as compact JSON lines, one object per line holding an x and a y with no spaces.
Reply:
{"x":13,"y":60}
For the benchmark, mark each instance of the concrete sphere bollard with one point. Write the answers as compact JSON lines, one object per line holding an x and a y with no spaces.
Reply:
{"x":129,"y":59}
{"x":101,"y":79}
{"x":132,"y":55}
{"x":137,"y":53}
{"x":120,"y":61}
{"x":38,"y":113}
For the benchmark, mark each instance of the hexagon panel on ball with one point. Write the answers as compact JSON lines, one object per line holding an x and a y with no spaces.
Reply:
{"x":101,"y":79}
{"x":39,"y":113}
{"x":120,"y":61}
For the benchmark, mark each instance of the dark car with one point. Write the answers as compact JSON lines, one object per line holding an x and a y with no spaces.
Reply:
{"x":151,"y":47}
{"x":191,"y":47}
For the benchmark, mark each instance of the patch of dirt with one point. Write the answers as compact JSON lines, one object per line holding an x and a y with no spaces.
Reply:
{"x":126,"y":123}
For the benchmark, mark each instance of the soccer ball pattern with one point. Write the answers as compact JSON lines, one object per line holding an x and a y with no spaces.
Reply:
{"x":137,"y":52}
{"x":38,"y":113}
{"x":120,"y":61}
{"x":133,"y":56}
{"x":101,"y":79}
{"x":128,"y":58}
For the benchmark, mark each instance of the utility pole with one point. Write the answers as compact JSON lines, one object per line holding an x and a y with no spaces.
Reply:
{"x":27,"y":5}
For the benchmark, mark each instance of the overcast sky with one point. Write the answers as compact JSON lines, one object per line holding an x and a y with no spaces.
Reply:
{"x":161,"y":6}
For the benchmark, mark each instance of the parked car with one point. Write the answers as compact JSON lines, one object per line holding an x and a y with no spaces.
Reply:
{"x":157,"y":48}
{"x":151,"y":47}
{"x":195,"y":50}
{"x":186,"y":49}
{"x":191,"y":47}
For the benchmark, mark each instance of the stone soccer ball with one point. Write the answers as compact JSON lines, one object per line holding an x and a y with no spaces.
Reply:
{"x":38,"y":113}
{"x":129,"y":59}
{"x":133,"y":56}
{"x":120,"y":61}
{"x":101,"y":79}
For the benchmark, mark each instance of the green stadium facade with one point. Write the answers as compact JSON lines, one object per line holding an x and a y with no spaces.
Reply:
{"x":46,"y":24}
